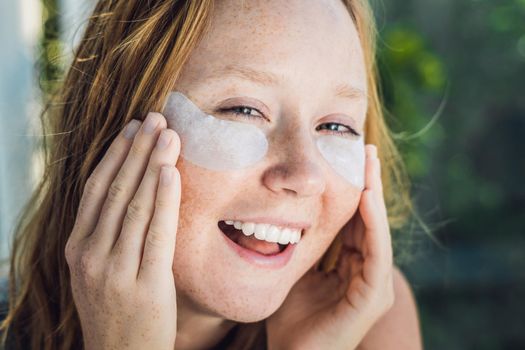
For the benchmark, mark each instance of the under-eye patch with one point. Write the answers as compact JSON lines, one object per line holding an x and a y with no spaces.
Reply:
{"x":219,"y":144}
{"x":210,"y":142}
{"x":345,"y":156}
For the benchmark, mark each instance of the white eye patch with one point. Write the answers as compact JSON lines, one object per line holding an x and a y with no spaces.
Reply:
{"x":213,"y":143}
{"x":345,"y":156}
{"x":222,"y":145}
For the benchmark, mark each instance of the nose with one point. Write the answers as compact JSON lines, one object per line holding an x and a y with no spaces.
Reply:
{"x":297,"y":170}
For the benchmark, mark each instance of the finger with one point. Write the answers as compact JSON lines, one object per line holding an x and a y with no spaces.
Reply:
{"x":371,"y":151}
{"x":126,"y":182}
{"x":96,"y":186}
{"x":373,"y":167}
{"x":129,"y":246}
{"x":371,"y":155}
{"x":374,"y":250}
{"x":377,"y":249}
{"x":378,"y":185}
{"x":371,"y":183}
{"x":159,"y":245}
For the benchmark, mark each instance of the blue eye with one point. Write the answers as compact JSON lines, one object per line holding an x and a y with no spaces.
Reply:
{"x":245,"y":111}
{"x":242,"y":111}
{"x":335,"y":129}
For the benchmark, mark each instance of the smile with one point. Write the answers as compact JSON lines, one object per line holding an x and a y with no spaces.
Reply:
{"x":265,"y":245}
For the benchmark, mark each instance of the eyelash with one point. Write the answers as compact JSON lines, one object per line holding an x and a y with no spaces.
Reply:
{"x":235,"y":111}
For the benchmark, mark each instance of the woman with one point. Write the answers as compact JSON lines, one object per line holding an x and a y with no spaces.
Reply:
{"x":121,"y":254}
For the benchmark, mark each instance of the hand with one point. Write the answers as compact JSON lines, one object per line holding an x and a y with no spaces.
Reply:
{"x":120,"y":252}
{"x":335,"y":310}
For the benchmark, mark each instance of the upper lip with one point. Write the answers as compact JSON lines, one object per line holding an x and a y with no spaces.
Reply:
{"x":276,"y":222}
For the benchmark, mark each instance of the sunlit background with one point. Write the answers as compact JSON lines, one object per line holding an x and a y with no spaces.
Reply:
{"x":453,"y":75}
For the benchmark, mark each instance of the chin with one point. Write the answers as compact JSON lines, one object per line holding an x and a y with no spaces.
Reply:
{"x":233,"y":301}
{"x":248,"y":310}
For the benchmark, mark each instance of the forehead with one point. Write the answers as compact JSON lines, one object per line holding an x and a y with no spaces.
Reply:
{"x":293,"y":40}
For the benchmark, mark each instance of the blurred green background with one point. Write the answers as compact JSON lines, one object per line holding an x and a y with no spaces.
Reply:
{"x":453,"y":77}
{"x":454,"y":83}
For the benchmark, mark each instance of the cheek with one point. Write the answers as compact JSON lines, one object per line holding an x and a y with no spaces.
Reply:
{"x":204,"y":195}
{"x":201,"y":189}
{"x":337,"y":210}
{"x":344,"y":206}
{"x":202,"y":192}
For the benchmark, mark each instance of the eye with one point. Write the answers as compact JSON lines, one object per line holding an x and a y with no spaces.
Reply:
{"x":246,"y":111}
{"x":242,"y":111}
{"x":339,"y":129}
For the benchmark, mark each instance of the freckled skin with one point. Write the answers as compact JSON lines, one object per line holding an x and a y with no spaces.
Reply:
{"x":312,"y":46}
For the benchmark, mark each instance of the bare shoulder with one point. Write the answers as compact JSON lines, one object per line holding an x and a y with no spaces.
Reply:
{"x":399,"y":327}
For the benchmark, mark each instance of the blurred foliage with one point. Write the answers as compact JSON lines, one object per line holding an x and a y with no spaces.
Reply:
{"x":51,"y":47}
{"x":453,"y":75}
{"x":413,"y":78}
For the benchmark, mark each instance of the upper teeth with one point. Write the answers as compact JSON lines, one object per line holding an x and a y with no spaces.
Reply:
{"x":267,"y":232}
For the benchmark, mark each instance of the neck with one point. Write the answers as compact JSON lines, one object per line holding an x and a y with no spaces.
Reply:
{"x":197,"y":329}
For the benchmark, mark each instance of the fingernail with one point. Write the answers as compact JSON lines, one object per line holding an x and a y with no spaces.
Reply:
{"x":164,"y":139}
{"x":150,"y":124}
{"x":132,"y":128}
{"x":166,"y":175}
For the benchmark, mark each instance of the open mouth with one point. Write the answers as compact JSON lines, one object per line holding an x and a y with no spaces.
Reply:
{"x":250,"y":242}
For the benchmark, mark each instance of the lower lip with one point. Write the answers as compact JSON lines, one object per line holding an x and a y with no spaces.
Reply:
{"x":271,"y":262}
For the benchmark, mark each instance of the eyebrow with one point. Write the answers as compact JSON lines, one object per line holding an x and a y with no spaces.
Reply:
{"x":247,"y":73}
{"x":348,"y":91}
{"x":268,"y":79}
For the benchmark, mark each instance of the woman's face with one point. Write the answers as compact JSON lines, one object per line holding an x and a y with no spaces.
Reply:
{"x":289,"y":61}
